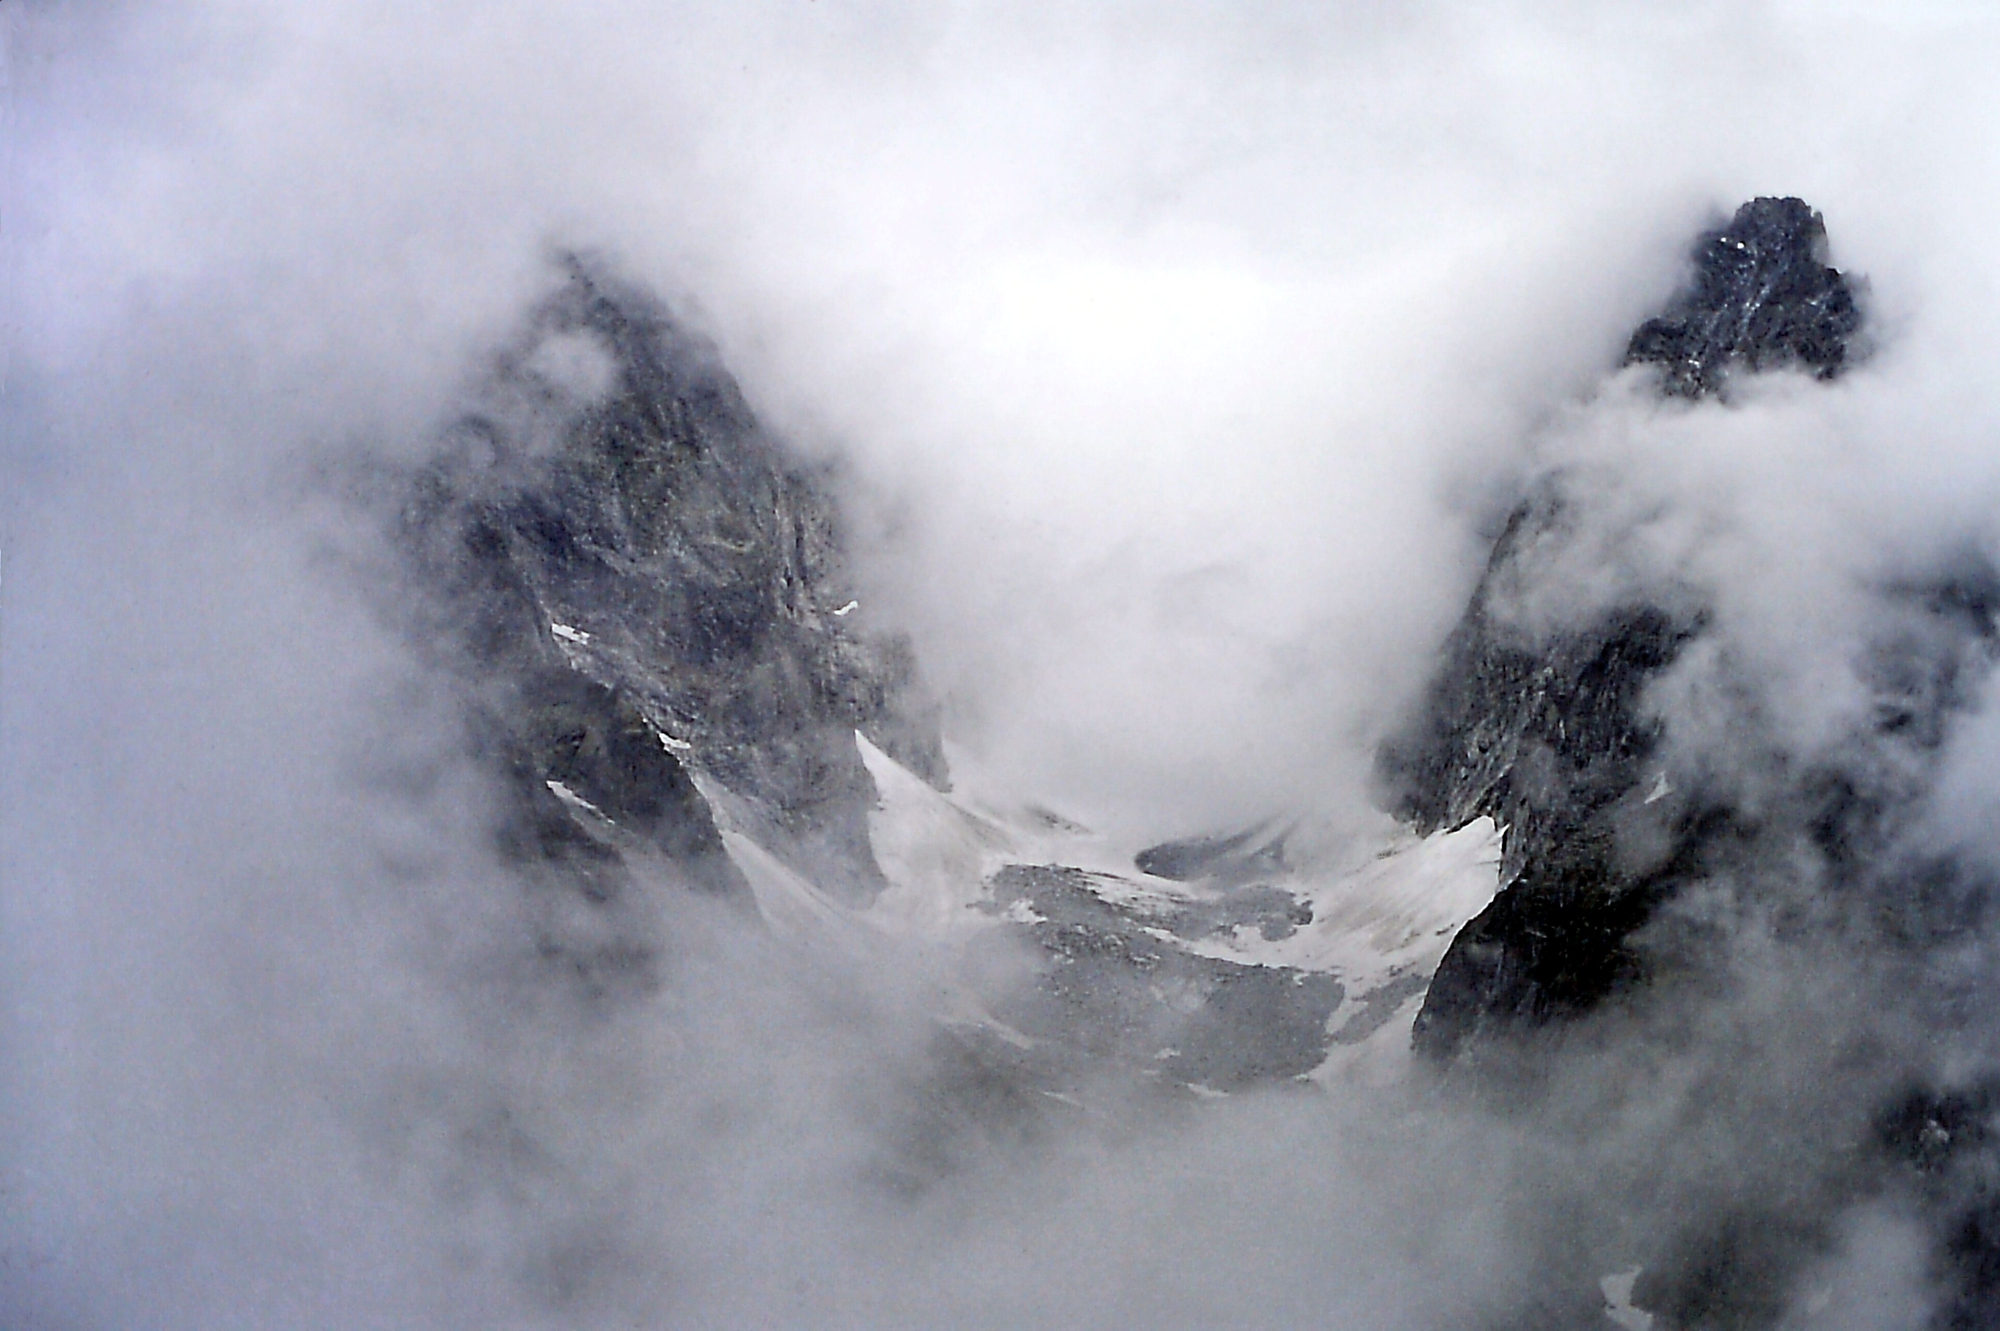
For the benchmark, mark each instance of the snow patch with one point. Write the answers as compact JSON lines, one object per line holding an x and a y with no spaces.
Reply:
{"x":1618,"y":1301}
{"x":574,"y":800}
{"x":1380,"y":922}
{"x":1393,"y":916}
{"x":792,"y":907}
{"x":935,"y":854}
{"x":1383,"y":1059}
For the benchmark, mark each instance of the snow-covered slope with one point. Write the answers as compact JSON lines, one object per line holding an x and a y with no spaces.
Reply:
{"x":642,"y":600}
{"x":1302,"y":971}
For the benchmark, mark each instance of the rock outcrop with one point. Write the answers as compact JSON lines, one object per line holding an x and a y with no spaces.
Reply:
{"x":1121,"y":987}
{"x":1632,"y":861}
{"x":1762,"y":298}
{"x":1544,"y":729}
{"x":644,"y":595}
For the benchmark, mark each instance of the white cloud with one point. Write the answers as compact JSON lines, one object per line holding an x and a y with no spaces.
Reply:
{"x":1187,"y":346}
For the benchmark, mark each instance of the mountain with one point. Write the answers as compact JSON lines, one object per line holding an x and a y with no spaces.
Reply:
{"x":1668,"y":865}
{"x":640,"y":589}
{"x":1612,"y":875}
{"x":640,"y":598}
{"x":1546,"y":732}
{"x":1761,"y":297}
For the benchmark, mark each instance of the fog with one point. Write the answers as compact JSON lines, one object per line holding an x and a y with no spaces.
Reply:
{"x":1181,"y":360}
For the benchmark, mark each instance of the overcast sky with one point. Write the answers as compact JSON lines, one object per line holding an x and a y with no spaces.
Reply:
{"x":1182,"y":357}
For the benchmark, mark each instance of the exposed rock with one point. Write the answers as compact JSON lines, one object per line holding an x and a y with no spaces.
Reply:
{"x":1548,"y":738}
{"x":1118,"y":986}
{"x":1762,"y":298}
{"x":1626,"y":863}
{"x":640,"y":585}
{"x":566,"y":733}
{"x":1543,"y":727}
{"x":1235,"y":859}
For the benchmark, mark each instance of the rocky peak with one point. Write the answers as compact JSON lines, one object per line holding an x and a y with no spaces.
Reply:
{"x":1626,"y":866}
{"x":1761,"y":297}
{"x":1546,"y":732}
{"x":645,"y":595}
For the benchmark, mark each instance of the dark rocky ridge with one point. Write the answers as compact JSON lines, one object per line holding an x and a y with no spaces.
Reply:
{"x":640,"y":598}
{"x":1545,"y":731}
{"x":639,"y":586}
{"x":1762,"y":298}
{"x":1630,"y":861}
{"x":1235,"y":858}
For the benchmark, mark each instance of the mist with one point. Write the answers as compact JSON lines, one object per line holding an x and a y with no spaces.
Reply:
{"x":1178,"y":364}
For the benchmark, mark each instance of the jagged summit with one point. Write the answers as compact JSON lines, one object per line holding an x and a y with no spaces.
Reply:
{"x":1545,"y":731}
{"x":1636,"y":857}
{"x":645,"y":592}
{"x":1762,"y":297}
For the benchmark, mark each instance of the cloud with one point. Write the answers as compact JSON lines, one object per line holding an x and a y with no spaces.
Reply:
{"x":1186,"y":356}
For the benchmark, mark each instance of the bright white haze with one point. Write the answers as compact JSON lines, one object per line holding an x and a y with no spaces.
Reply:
{"x":1181,"y":358}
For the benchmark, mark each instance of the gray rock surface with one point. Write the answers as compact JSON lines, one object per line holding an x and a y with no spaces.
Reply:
{"x":1117,"y":985}
{"x":639,"y":584}
{"x":1544,"y":729}
{"x":1762,"y":297}
{"x":1629,"y":864}
{"x":1236,"y":858}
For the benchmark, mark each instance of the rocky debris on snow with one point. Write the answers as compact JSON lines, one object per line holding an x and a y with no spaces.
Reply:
{"x":1117,"y":985}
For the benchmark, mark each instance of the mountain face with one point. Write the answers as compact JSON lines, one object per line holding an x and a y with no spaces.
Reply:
{"x":1637,"y":856}
{"x":643,"y":592}
{"x":640,"y":598}
{"x":1762,"y":298}
{"x":1546,"y":731}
